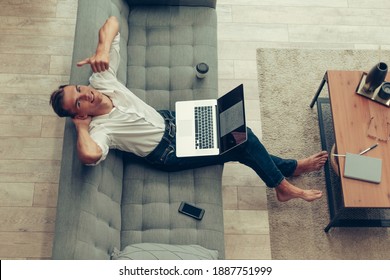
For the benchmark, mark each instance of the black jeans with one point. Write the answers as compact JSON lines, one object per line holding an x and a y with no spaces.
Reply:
{"x":271,"y":169}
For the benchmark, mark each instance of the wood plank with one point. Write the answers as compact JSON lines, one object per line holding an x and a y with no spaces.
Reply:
{"x":67,"y":8}
{"x":31,"y":84}
{"x":16,"y":194}
{"x":30,"y":148}
{"x":21,"y":63}
{"x":246,"y":222}
{"x":229,"y":197}
{"x":310,"y":15}
{"x":252,"y":198}
{"x":27,"y":219}
{"x":246,"y":247}
{"x":239,"y":175}
{"x":60,"y":64}
{"x":30,"y":44}
{"x":24,"y":171}
{"x":52,"y":126}
{"x":21,"y":245}
{"x":338,"y":33}
{"x":281,"y":3}
{"x":26,"y":25}
{"x":45,"y":195}
{"x":253,"y":32}
{"x":379,"y":4}
{"x":22,"y":126}
{"x":33,"y":8}
{"x":26,"y":104}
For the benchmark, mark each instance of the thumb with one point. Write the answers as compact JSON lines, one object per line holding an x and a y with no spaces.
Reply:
{"x":83,"y":62}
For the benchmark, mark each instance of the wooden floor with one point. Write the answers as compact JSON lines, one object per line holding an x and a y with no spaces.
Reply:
{"x":36,"y":40}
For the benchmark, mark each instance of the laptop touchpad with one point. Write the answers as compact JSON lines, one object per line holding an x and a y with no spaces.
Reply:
{"x":184,"y":128}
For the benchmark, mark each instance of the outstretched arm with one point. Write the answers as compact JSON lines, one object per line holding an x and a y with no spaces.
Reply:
{"x":100,"y":60}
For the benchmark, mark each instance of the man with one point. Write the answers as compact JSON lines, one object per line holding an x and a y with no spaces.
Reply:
{"x":108,"y":115}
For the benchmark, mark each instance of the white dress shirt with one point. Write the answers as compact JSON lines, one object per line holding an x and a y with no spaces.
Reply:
{"x":132,"y":125}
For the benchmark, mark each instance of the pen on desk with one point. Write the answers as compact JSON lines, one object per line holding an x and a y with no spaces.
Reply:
{"x":368,"y":149}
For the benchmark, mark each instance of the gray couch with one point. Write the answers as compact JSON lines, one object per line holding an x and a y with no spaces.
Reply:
{"x":119,"y":202}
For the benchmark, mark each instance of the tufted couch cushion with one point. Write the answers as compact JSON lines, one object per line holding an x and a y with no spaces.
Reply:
{"x":165,"y":44}
{"x":150,"y":209}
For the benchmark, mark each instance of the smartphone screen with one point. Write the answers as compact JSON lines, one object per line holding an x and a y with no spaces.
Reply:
{"x":191,"y":210}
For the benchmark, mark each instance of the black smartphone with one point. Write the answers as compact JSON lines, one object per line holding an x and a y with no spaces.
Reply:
{"x":191,"y":210}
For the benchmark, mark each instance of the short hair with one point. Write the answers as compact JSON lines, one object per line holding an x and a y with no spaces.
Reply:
{"x":56,"y":101}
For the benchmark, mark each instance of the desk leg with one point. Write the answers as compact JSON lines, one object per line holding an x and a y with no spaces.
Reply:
{"x":324,"y":79}
{"x":328,"y":227}
{"x":332,"y":223}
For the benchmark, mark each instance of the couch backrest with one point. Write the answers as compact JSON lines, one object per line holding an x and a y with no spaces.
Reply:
{"x":88,"y":220}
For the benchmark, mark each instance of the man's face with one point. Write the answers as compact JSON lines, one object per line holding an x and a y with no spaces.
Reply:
{"x":82,"y":101}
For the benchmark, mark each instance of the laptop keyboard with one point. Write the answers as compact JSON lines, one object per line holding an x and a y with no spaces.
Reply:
{"x":204,"y":135}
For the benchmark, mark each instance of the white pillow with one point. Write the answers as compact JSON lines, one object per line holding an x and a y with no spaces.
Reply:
{"x":157,"y":251}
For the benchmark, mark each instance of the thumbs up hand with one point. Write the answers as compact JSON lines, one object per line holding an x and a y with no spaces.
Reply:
{"x":99,"y":62}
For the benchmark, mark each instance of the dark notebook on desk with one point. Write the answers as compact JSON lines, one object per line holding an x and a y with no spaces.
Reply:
{"x":363,"y":168}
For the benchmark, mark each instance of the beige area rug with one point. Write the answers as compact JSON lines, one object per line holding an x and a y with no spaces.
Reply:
{"x":288,"y":80}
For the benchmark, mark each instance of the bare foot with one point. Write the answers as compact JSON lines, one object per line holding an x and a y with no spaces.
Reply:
{"x":286,"y":191}
{"x":312,"y":163}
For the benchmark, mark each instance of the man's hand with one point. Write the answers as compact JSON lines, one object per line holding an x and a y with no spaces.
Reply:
{"x":81,"y":123}
{"x":98,"y":62}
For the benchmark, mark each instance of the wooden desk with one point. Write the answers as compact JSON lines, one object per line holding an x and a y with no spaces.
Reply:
{"x":352,"y":117}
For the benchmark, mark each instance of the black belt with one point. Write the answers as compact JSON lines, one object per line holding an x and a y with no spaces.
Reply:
{"x":168,"y":137}
{"x":170,"y":125}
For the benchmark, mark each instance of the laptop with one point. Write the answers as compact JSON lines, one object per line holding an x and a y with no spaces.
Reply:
{"x":210,"y":127}
{"x":364,"y":168}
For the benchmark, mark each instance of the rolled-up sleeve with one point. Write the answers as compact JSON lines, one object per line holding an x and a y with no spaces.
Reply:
{"x":103,"y":141}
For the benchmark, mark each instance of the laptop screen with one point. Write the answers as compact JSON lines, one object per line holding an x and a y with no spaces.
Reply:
{"x":232,"y":125}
